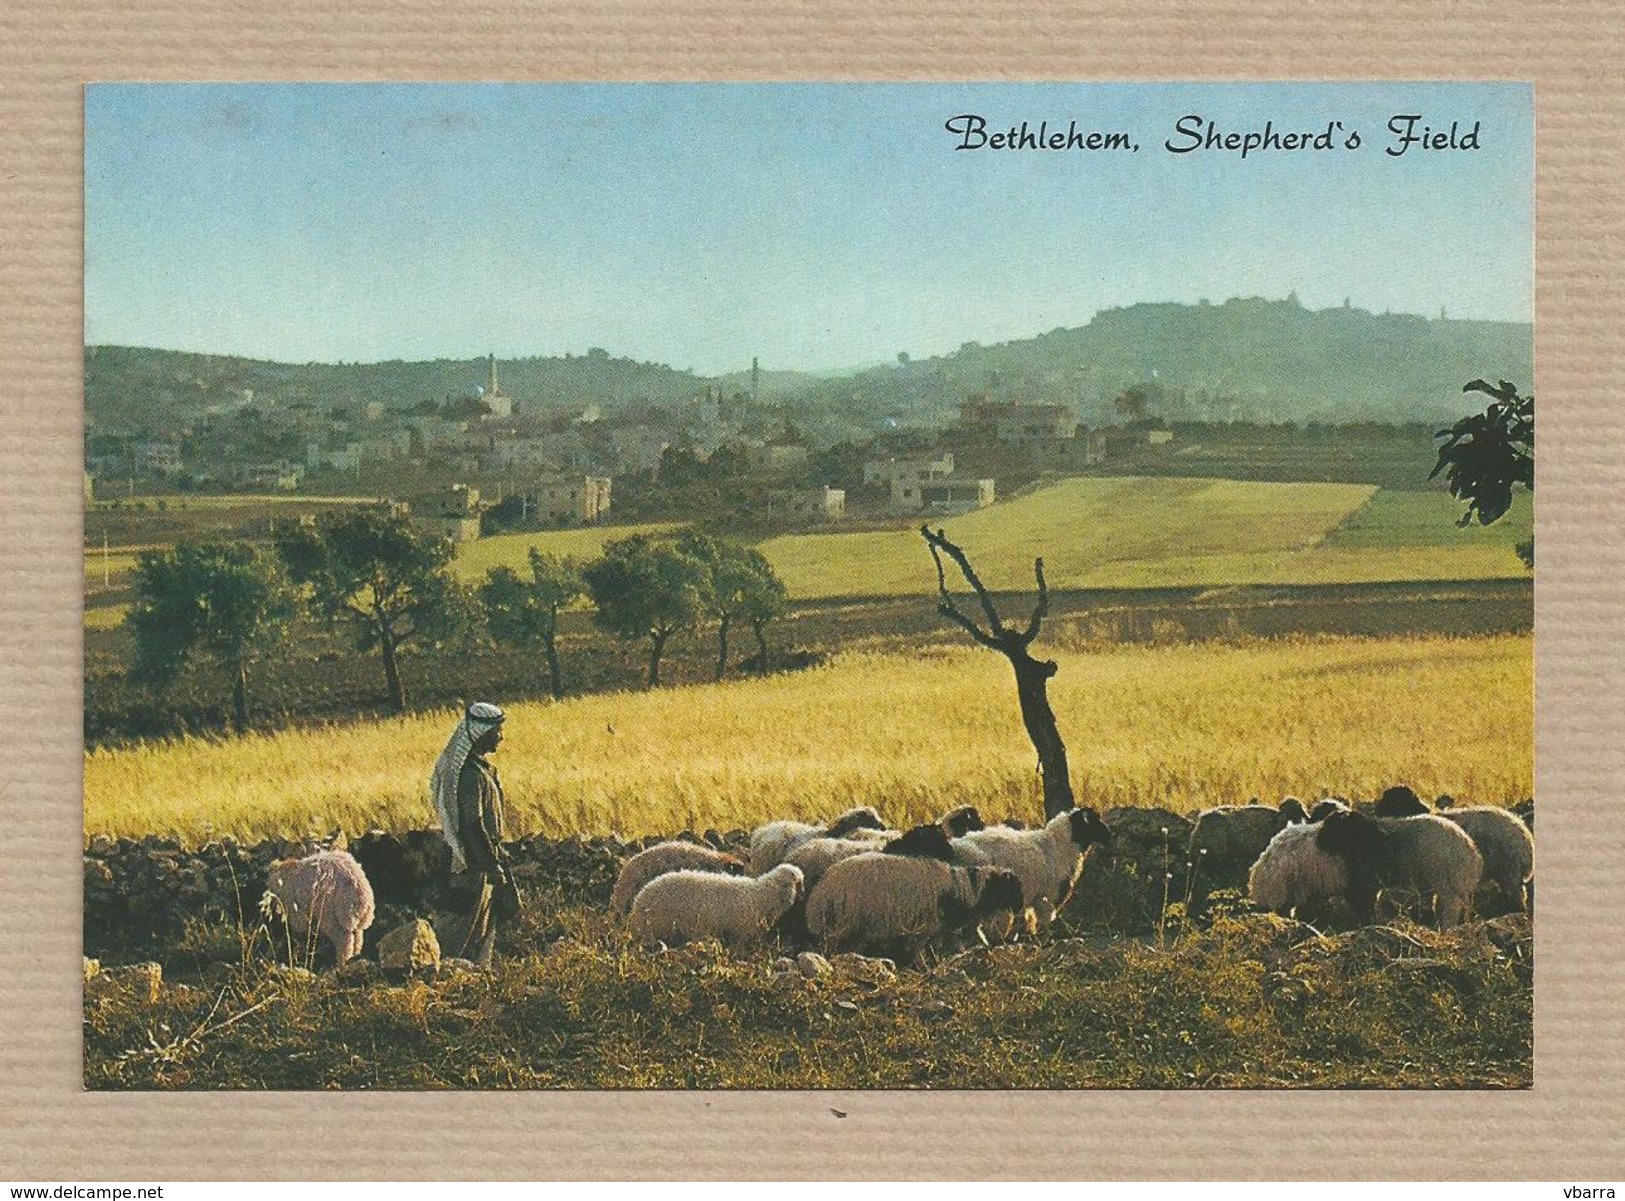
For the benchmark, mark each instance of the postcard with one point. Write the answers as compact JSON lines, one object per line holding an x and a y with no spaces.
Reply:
{"x":809,"y":586}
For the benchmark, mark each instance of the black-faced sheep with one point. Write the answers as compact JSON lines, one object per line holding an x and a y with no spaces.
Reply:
{"x":930,"y":841}
{"x":1507,"y":847}
{"x":740,"y":912}
{"x":963,"y":820}
{"x":326,"y":892}
{"x":665,"y":857}
{"x":1433,"y":857}
{"x":896,"y":905}
{"x":1047,"y":861}
{"x":771,"y":844}
{"x":1292,"y":809}
{"x":1327,"y":806}
{"x":817,"y":855}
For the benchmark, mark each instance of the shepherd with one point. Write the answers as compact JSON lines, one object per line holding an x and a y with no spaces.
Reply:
{"x":468,"y":800}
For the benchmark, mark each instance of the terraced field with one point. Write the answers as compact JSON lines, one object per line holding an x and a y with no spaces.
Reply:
{"x":1127,"y":532}
{"x":1148,"y":533}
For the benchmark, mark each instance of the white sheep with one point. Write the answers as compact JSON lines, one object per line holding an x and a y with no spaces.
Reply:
{"x":817,"y":855}
{"x":1505,"y":843}
{"x":328,"y":892}
{"x":772,"y":843}
{"x":1047,"y":861}
{"x":1427,"y":854}
{"x":896,"y":905}
{"x":1507,"y":846}
{"x":1293,"y":873}
{"x":739,"y":911}
{"x":666,"y":857}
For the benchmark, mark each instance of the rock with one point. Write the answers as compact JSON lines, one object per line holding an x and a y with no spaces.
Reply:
{"x":139,"y":981}
{"x":285,"y":973}
{"x":409,"y":949}
{"x":812,"y":965}
{"x":864,"y":967}
{"x":454,"y":967}
{"x":100,"y":844}
{"x":1148,"y":825}
{"x":358,"y":973}
{"x":92,"y":968}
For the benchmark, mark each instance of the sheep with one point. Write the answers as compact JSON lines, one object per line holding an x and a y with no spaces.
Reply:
{"x":1428,"y":854}
{"x":817,"y":855}
{"x":896,"y":905}
{"x":1047,"y":861}
{"x":1228,"y":839}
{"x":739,"y":912}
{"x":930,"y":841}
{"x":666,"y":857}
{"x":1293,"y":873}
{"x":772,"y":843}
{"x":1326,"y":806}
{"x":327,"y":891}
{"x":1507,"y":846}
{"x":1504,"y":842}
{"x":961,"y":821}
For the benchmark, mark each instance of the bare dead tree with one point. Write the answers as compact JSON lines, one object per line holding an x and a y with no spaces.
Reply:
{"x":1032,"y":675}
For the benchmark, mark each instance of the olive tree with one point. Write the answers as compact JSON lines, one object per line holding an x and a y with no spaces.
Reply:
{"x":525,"y":612}
{"x":372,"y":570}
{"x":741,"y":585}
{"x":648,"y":589}
{"x":229,"y":602}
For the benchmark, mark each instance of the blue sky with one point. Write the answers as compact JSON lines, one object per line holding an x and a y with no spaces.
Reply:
{"x":817,"y":226}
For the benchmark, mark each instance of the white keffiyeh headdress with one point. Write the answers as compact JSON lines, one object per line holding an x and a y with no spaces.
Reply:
{"x":480,"y":719}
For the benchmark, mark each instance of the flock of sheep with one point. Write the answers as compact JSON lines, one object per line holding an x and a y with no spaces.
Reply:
{"x":853,"y":885}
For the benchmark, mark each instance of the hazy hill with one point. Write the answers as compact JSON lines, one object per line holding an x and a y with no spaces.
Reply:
{"x":1253,"y":359}
{"x":131,"y":388}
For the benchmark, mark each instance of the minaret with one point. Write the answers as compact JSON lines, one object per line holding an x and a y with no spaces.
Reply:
{"x":755,"y":378}
{"x":493,"y":390}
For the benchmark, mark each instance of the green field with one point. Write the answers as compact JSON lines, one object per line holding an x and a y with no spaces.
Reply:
{"x":475,"y":559}
{"x":1150,"y":533}
{"x":1114,"y":532}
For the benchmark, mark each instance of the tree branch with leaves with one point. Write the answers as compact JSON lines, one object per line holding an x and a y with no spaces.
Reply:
{"x":1485,"y":455}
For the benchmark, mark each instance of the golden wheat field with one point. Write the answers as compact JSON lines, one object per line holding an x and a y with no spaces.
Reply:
{"x":913,"y":734}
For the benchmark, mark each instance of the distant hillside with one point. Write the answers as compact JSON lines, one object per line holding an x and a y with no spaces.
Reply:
{"x":1242,"y":360}
{"x":1252,"y":360}
{"x":132,"y":388}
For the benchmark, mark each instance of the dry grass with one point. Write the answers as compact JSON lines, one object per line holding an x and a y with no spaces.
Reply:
{"x":1180,"y":725}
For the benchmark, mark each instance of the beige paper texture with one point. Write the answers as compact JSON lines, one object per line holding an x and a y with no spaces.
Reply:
{"x":1568,"y":1127}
